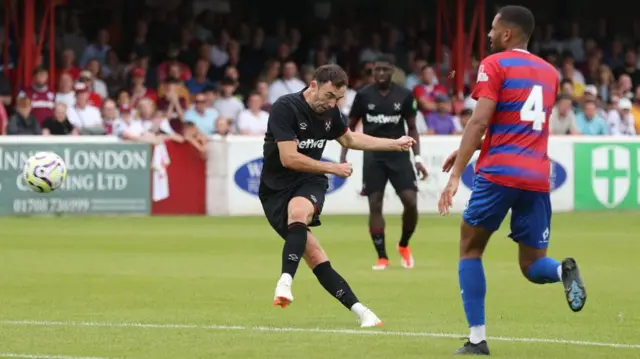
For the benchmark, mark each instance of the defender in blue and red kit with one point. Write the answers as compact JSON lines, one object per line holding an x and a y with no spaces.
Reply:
{"x":516,"y":91}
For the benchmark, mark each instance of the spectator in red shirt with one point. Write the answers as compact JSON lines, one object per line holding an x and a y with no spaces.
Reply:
{"x":94,"y":98}
{"x":138,"y":89}
{"x":42,"y":99}
{"x":426,"y":92}
{"x":68,"y":64}
{"x":164,"y":68}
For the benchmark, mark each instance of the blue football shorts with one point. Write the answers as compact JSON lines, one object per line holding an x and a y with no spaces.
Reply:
{"x":530,"y":211}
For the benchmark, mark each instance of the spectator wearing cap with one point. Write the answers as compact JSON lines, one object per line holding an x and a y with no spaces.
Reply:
{"x":200,"y":122}
{"x":84,"y":116}
{"x":253,"y":120}
{"x":440,"y":121}
{"x":65,"y":93}
{"x":94,"y":69}
{"x":589,"y":122}
{"x":42,"y":98}
{"x":68,"y":64}
{"x":199,"y":81}
{"x":563,"y":119}
{"x":620,"y":119}
{"x":228,"y":105}
{"x":138,"y":88}
{"x":58,"y":124}
{"x":86,"y":78}
{"x":97,"y":50}
{"x":22,"y":122}
{"x":289,"y":83}
{"x":173,"y":100}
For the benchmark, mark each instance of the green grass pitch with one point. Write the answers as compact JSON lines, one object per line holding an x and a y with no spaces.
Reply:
{"x":181,"y":288}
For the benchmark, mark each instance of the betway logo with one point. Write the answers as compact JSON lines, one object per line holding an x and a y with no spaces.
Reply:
{"x":383,"y":119}
{"x":309,"y":143}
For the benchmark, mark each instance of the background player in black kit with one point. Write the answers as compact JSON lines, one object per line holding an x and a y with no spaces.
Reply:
{"x":384,"y":108}
{"x":293,"y":182}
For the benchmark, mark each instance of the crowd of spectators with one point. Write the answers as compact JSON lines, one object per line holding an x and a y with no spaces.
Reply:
{"x":223,"y":81}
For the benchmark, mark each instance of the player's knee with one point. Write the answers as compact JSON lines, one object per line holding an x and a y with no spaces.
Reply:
{"x":375,"y":203}
{"x":524,"y":268}
{"x":300,"y":210}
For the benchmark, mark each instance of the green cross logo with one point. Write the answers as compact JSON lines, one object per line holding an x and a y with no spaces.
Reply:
{"x":610,"y":173}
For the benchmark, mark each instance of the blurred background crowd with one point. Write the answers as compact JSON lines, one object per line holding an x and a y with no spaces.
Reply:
{"x":187,"y":70}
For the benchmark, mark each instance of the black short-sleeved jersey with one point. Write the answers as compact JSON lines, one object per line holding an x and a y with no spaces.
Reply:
{"x":292,"y":119}
{"x":384,"y":115}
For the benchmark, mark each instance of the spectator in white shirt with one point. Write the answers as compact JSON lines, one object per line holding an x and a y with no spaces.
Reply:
{"x":83,"y":116}
{"x":130,"y":128}
{"x":620,"y":119}
{"x":289,"y":83}
{"x":155,"y":126}
{"x":109,"y":115}
{"x":253,"y":121}
{"x":95,"y":84}
{"x":65,"y":94}
{"x":227,"y":104}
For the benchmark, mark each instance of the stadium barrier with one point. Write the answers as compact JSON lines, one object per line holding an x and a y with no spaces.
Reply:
{"x":108,"y":176}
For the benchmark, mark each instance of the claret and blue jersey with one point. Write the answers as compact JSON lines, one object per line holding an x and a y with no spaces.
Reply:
{"x":513,"y":168}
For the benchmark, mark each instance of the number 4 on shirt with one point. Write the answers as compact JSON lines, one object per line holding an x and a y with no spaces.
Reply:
{"x":533,"y":108}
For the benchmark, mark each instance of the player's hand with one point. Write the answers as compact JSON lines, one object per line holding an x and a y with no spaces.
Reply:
{"x":343,"y":170}
{"x":448,"y":163}
{"x":404,"y":143}
{"x":422,"y":171}
{"x":446,"y":199}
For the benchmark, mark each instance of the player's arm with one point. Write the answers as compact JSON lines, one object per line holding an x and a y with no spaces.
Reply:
{"x":293,"y":160}
{"x":355,"y":115}
{"x":281,"y":124}
{"x":361,"y":141}
{"x":487,"y":92}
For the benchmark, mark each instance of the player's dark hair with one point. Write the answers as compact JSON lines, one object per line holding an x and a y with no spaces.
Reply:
{"x":520,"y":17}
{"x":387,"y":59}
{"x":331,"y":73}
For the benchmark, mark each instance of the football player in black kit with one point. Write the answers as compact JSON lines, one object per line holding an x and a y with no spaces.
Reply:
{"x":293,"y":183}
{"x":384,"y":107}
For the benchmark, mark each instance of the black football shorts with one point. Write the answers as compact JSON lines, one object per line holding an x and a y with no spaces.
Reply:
{"x":275,"y":203}
{"x":376,"y":171}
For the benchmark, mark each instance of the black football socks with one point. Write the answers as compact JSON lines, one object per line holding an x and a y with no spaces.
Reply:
{"x":377,"y":236}
{"x":294,"y":246}
{"x":335,"y":284}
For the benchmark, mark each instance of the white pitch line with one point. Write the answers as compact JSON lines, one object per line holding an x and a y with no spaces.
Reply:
{"x":43,"y":356}
{"x":309,"y":330}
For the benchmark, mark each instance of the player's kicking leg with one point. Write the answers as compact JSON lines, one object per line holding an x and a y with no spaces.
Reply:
{"x":531,"y":228}
{"x":409,"y":198}
{"x":299,"y":243}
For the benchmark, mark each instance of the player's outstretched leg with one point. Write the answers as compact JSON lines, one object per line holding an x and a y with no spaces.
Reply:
{"x":337,"y":286}
{"x":376,"y":229}
{"x":540,"y":269}
{"x":473,"y":287}
{"x":409,"y":200}
{"x":300,"y":211}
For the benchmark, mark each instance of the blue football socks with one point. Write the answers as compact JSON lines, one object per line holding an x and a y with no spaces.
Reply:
{"x":473,"y":288}
{"x":544,"y":270}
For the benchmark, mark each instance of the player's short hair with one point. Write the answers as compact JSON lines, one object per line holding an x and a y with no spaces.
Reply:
{"x":520,"y":17}
{"x":331,"y":73}
{"x":387,"y":59}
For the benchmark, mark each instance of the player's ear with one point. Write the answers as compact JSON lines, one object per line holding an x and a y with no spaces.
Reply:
{"x":313,"y":85}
